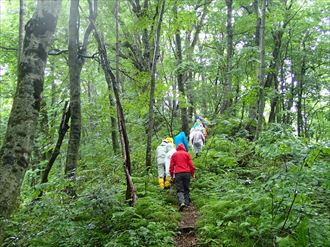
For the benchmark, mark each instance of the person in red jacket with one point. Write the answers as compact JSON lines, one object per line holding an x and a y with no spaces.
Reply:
{"x":182,"y":169}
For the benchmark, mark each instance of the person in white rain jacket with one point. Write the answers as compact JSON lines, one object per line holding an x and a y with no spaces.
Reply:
{"x":197,"y":140}
{"x":163,"y":156}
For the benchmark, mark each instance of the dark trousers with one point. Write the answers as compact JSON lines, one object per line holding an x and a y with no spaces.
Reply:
{"x":182,"y":182}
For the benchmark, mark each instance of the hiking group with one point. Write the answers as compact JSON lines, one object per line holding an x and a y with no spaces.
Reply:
{"x":175,"y":164}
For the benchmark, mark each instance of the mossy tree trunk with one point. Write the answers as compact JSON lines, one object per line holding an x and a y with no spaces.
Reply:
{"x":18,"y":143}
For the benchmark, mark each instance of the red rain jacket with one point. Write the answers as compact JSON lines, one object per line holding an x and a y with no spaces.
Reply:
{"x":181,"y":162}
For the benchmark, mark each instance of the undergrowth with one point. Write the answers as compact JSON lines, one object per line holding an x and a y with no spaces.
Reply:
{"x":99,"y":216}
{"x":273,"y":192}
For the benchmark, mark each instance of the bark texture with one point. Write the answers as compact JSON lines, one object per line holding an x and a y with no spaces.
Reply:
{"x":76,"y":62}
{"x":17,"y":146}
{"x":228,"y":94}
{"x":261,"y":72}
{"x":74,"y":70}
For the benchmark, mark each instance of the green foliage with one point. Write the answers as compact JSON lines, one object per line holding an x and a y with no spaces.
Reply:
{"x":275,"y":199}
{"x":97,"y":217}
{"x":272,"y":192}
{"x":279,"y":144}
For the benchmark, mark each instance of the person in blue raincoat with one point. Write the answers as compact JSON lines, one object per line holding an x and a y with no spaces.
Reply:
{"x":181,"y":138}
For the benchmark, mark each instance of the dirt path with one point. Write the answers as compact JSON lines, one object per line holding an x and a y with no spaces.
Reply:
{"x":187,"y":235}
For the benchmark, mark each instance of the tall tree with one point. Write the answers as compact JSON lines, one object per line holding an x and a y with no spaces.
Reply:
{"x":131,"y":195}
{"x":261,"y":71}
{"x":300,"y":87}
{"x":76,"y":61}
{"x":277,"y":61}
{"x":17,"y":146}
{"x":180,"y":74}
{"x":152,"y":86}
{"x":228,"y":74}
{"x":254,"y":105}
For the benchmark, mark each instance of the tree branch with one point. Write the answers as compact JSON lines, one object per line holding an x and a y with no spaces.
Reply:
{"x":8,"y":48}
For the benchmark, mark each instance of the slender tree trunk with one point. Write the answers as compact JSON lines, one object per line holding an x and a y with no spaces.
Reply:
{"x":112,"y":104}
{"x":63,"y":128}
{"x":300,"y":88}
{"x":76,"y":61}
{"x":253,"y":107}
{"x":190,"y":57}
{"x":152,"y":87}
{"x":261,"y":73}
{"x":180,"y":78}
{"x":228,"y":94}
{"x":145,"y":39}
{"x":114,"y":123}
{"x":20,"y":33}
{"x":190,"y":95}
{"x":272,"y":75}
{"x":288,"y":118}
{"x":74,"y":71}
{"x":284,"y":84}
{"x":17,"y":146}
{"x":258,"y":22}
{"x":131,"y":195}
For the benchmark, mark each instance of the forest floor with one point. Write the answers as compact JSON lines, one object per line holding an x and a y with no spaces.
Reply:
{"x":187,"y":235}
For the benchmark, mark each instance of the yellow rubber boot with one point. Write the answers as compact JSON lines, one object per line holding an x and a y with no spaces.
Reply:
{"x":161,"y":183}
{"x":168,"y":183}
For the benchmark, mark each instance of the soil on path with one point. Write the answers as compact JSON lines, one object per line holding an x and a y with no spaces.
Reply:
{"x":187,"y":235}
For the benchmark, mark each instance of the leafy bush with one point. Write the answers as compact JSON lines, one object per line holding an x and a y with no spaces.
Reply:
{"x":259,"y":204}
{"x":96,"y":218}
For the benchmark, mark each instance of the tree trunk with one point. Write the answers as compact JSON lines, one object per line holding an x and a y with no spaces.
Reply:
{"x":272,"y":75}
{"x":76,"y":61}
{"x":114,"y":123}
{"x":131,"y":195}
{"x":74,"y":71}
{"x":288,"y":118}
{"x":300,"y":87}
{"x":152,"y":87}
{"x":63,"y":128}
{"x":228,"y":94}
{"x":17,"y":146}
{"x":254,"y":105}
{"x":190,"y":95}
{"x":20,"y":33}
{"x":261,"y":73}
{"x":180,"y":79}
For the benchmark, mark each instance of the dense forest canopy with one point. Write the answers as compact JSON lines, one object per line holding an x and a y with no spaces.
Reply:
{"x":89,"y":89}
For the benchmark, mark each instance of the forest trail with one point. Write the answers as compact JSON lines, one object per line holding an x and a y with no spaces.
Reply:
{"x":187,"y":226}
